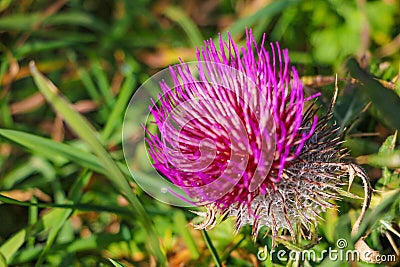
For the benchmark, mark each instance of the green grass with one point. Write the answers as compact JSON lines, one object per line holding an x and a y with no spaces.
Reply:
{"x":66,"y":195}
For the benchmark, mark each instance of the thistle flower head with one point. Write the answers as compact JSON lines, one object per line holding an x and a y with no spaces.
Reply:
{"x":234,"y":133}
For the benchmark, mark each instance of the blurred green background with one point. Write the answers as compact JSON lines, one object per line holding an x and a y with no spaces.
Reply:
{"x":61,"y":192}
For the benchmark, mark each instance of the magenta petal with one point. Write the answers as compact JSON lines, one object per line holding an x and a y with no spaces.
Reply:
{"x":227,"y":140}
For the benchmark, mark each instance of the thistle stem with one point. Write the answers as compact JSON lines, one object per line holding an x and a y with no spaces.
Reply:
{"x":212,"y":249}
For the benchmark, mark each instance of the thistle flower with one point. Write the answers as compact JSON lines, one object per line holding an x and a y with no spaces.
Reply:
{"x":236,"y":135}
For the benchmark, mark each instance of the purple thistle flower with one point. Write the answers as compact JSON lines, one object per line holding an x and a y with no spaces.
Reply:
{"x":235,"y":135}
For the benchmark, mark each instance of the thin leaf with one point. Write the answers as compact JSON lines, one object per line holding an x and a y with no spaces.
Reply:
{"x":18,"y":174}
{"x":4,"y":4}
{"x":75,"y":18}
{"x":179,"y":16}
{"x":379,"y":212}
{"x":50,"y":221}
{"x":386,"y":101}
{"x":75,"y":194}
{"x":102,"y":82}
{"x":389,"y":159}
{"x":47,"y":222}
{"x":116,"y":263}
{"x":19,"y":21}
{"x":389,"y":144}
{"x":92,"y":90}
{"x":77,"y":206}
{"x":181,"y":227}
{"x":3,"y":262}
{"x":32,"y":219}
{"x":56,"y":226}
{"x":268,"y":11}
{"x":50,"y":148}
{"x":88,"y":83}
{"x":87,"y":133}
{"x":387,"y":147}
{"x":39,"y":46}
{"x":233,"y":248}
{"x":119,"y":107}
{"x":96,"y":242}
{"x":8,"y":248}
{"x":5,"y":113}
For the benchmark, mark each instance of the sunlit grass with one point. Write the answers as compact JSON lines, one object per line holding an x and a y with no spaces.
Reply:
{"x":66,"y":195}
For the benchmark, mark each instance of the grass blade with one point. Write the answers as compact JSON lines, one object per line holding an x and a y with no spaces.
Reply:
{"x":19,"y":21}
{"x":53,"y":220}
{"x":8,"y":248}
{"x":119,"y":107}
{"x":75,"y":194}
{"x":266,"y":12}
{"x":32,"y":219}
{"x":116,"y":263}
{"x":379,"y":212}
{"x":48,"y":147}
{"x":180,"y":224}
{"x":87,"y":133}
{"x":179,"y":16}
{"x":103,"y":83}
{"x":3,"y":262}
{"x":78,"y":206}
